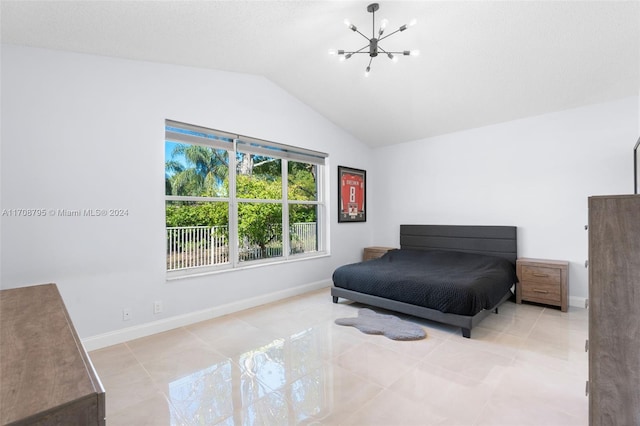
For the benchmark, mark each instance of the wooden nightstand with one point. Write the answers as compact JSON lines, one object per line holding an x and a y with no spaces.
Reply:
{"x":543,"y":281}
{"x":375,"y":252}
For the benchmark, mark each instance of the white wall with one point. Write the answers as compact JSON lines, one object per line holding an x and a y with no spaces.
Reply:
{"x":534,"y":173}
{"x":81,"y":131}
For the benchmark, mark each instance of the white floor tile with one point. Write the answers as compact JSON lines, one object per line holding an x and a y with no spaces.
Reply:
{"x":288,"y":363}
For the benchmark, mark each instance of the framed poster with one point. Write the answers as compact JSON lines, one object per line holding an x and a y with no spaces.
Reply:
{"x":352,"y":195}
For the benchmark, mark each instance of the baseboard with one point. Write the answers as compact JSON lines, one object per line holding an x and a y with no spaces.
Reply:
{"x":119,"y":336}
{"x":577,"y":302}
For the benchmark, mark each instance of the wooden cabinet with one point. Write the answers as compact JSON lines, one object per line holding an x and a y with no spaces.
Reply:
{"x":375,"y":252}
{"x":543,"y":281}
{"x":46,"y":377}
{"x":614,"y":310}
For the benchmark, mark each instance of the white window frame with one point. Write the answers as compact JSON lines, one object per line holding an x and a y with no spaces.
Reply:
{"x":249,"y":145}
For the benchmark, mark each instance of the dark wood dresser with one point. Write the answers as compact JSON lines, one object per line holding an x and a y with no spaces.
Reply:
{"x":46,"y":376}
{"x":614,"y":310}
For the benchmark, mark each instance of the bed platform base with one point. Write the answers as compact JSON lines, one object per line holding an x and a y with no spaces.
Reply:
{"x":465,"y":322}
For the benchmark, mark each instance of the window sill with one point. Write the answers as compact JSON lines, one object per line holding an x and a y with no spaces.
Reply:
{"x":193,"y":273}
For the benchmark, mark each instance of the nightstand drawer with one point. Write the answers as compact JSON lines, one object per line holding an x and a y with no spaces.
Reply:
{"x":541,"y":275}
{"x":541,"y":292}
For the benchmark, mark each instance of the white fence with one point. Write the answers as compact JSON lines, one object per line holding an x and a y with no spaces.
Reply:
{"x":193,"y":246}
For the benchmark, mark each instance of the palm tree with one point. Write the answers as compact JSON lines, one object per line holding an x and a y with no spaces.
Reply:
{"x":203,"y":173}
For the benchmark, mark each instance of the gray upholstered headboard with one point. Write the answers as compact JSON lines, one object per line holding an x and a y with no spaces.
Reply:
{"x":492,"y":240}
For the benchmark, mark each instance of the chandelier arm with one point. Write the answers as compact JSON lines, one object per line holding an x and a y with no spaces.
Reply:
{"x":388,"y":35}
{"x":402,"y":52}
{"x":368,"y":69}
{"x":359,"y":50}
{"x":358,"y":31}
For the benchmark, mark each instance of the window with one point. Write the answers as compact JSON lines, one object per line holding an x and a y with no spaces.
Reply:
{"x":233,"y":200}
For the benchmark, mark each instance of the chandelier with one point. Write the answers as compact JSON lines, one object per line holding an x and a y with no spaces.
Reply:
{"x":373,"y":44}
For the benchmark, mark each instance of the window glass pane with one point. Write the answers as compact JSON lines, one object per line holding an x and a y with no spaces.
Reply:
{"x":196,"y":170}
{"x":302,"y":181}
{"x":303,"y":228}
{"x":259,"y":231}
{"x":197,"y":234}
{"x":258,"y":177}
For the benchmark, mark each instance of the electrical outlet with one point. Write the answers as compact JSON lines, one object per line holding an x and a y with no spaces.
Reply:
{"x":157,"y":306}
{"x":126,"y":314}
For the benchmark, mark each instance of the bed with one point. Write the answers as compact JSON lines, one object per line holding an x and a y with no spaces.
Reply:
{"x":455,"y":275}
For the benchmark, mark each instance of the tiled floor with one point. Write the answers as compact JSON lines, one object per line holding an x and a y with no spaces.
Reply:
{"x":288,"y":363}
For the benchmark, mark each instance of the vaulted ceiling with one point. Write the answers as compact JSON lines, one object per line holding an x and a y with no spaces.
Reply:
{"x":480,"y":62}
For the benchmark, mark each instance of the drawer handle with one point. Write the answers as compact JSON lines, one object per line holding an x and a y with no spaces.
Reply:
{"x":540,"y":275}
{"x":540,"y":291}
